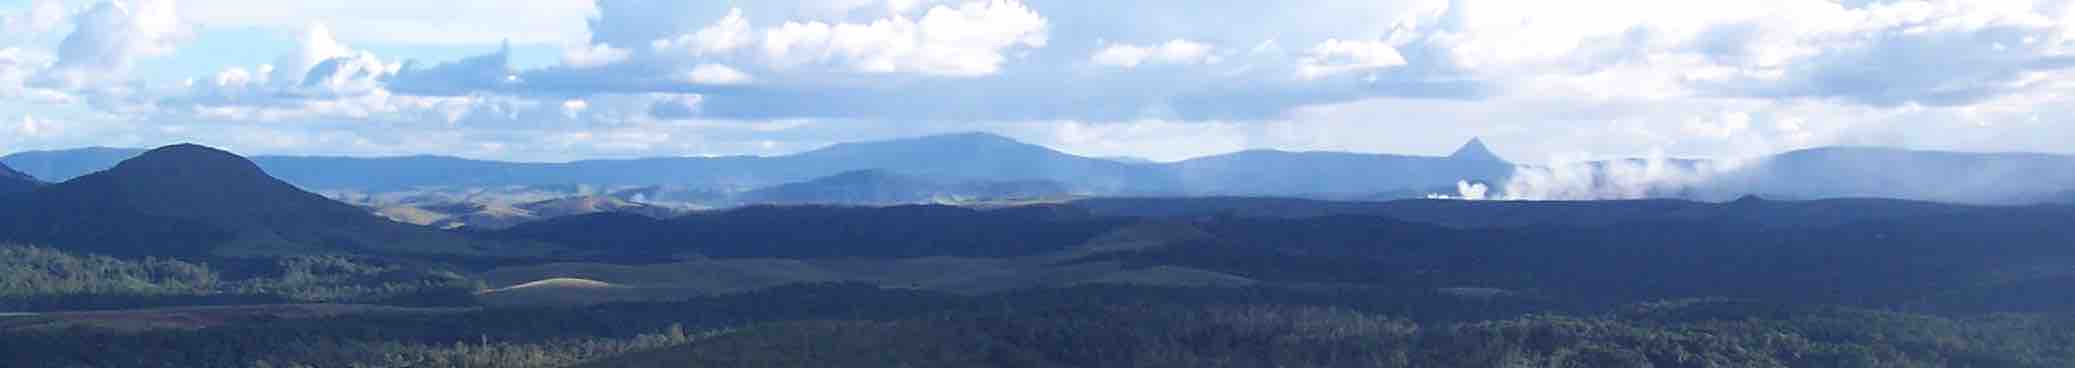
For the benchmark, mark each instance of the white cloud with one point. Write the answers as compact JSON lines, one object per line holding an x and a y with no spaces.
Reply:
{"x":964,"y":41}
{"x":571,"y":109}
{"x":1173,"y":52}
{"x":1617,"y":77}
{"x":41,"y":17}
{"x":1335,"y":56}
{"x":715,"y":74}
{"x":315,"y":45}
{"x":109,"y":39}
{"x":31,"y":127}
{"x":408,"y":22}
{"x":593,"y":56}
{"x":725,"y":35}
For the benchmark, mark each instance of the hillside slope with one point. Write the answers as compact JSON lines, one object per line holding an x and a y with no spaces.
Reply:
{"x":190,"y":200}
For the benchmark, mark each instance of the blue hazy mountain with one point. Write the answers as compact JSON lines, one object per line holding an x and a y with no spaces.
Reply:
{"x":1868,"y":172}
{"x":954,"y":157}
{"x":883,"y":187}
{"x":62,"y":165}
{"x":1837,"y":172}
{"x":1335,"y":174}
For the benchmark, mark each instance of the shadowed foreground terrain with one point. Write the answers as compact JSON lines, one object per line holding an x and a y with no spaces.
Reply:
{"x":192,"y":257}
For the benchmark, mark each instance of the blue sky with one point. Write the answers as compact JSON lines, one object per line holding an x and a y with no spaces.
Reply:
{"x":546,"y":80}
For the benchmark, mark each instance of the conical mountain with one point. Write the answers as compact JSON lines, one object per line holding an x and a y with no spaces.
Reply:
{"x":1474,"y":150}
{"x":190,"y":200}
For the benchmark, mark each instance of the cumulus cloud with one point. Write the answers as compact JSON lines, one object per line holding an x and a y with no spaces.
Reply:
{"x":30,"y":127}
{"x":1174,"y":52}
{"x":1617,"y":76}
{"x":318,"y":70}
{"x":42,"y":16}
{"x":674,"y":107}
{"x":108,"y":40}
{"x":715,"y":74}
{"x":17,"y":67}
{"x":458,"y":23}
{"x":963,"y":41}
{"x":593,"y":56}
{"x":1896,"y":53}
{"x":1336,"y":56}
{"x":489,"y":72}
{"x":725,"y":35}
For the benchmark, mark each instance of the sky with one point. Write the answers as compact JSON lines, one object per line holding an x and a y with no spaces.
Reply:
{"x":556,"y":80}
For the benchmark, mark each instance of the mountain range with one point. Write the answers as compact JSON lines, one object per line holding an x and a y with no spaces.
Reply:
{"x":882,"y":187}
{"x":943,"y":158}
{"x":190,"y":200}
{"x":946,"y":160}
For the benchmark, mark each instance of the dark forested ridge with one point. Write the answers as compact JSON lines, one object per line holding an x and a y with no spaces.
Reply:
{"x":837,"y":231}
{"x":851,"y":325}
{"x":15,"y":181}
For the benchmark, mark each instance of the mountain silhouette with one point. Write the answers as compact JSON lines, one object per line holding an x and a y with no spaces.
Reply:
{"x":1474,"y":150}
{"x":62,"y":165}
{"x":191,"y":200}
{"x":981,"y":156}
{"x":1328,"y":174}
{"x":1829,"y":172}
{"x":887,"y":187}
{"x":15,"y":181}
{"x":1870,"y":172}
{"x":968,"y":156}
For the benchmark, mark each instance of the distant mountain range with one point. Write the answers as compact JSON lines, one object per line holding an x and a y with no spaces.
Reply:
{"x":944,"y":158}
{"x":882,"y":187}
{"x":936,"y":164}
{"x":1870,"y":172}
{"x":189,"y":200}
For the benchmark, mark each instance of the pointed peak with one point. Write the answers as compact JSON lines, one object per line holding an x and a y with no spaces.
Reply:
{"x":1475,"y":150}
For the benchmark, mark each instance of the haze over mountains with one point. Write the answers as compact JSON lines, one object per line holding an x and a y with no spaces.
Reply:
{"x":945,"y":160}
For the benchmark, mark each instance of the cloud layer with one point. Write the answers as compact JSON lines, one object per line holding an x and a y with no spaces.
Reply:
{"x":1597,"y":78}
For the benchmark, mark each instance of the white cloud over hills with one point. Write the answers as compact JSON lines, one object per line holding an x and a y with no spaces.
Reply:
{"x":1152,"y":78}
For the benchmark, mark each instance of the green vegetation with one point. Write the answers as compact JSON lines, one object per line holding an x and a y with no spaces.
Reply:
{"x":857,"y":325}
{"x":45,"y":279}
{"x":29,"y":271}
